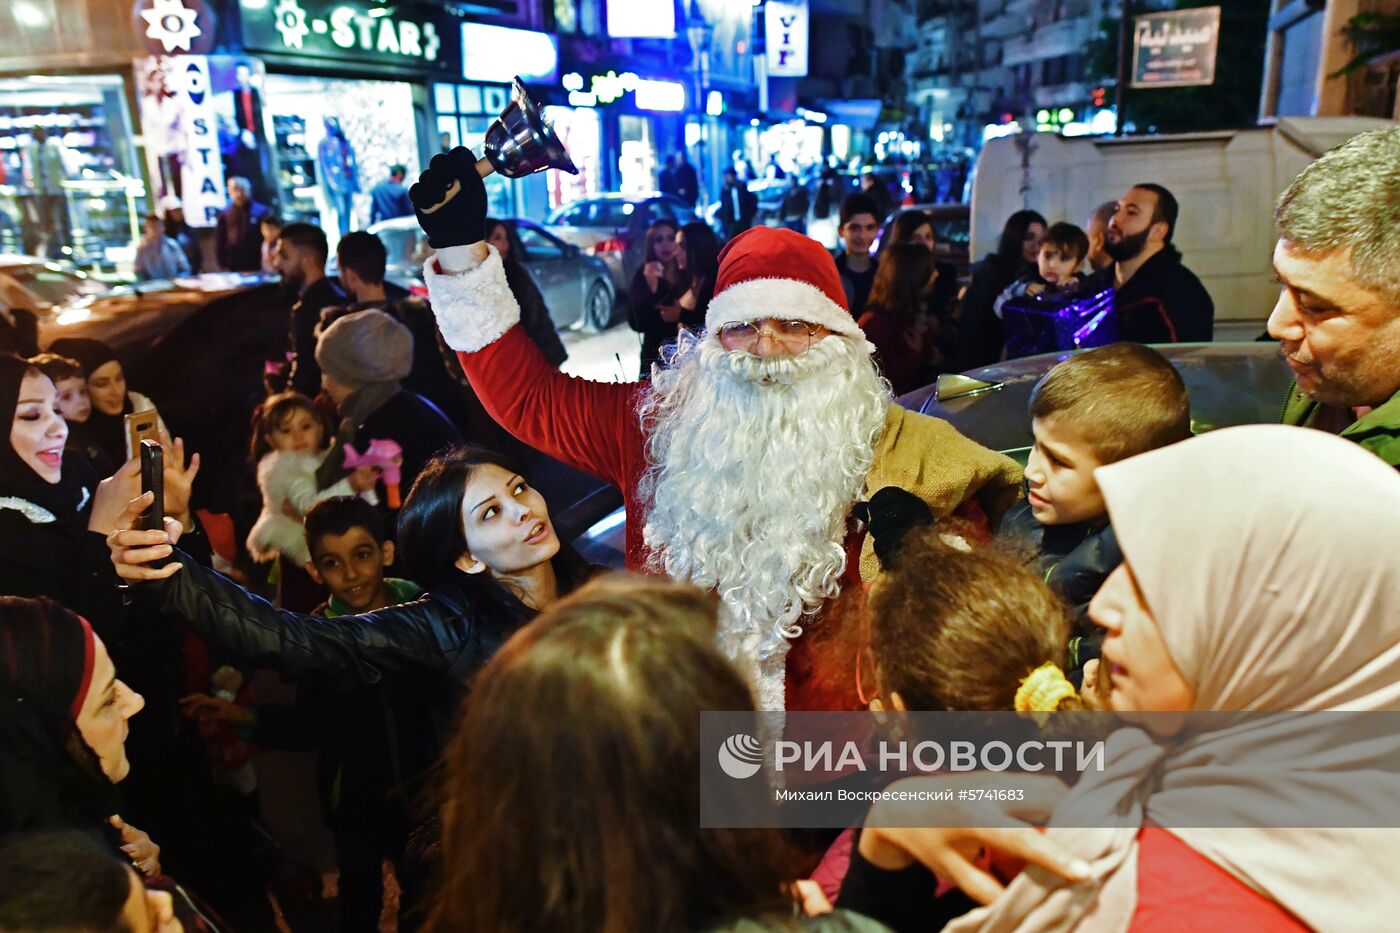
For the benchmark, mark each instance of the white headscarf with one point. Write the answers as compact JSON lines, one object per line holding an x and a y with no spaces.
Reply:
{"x":1268,"y":557}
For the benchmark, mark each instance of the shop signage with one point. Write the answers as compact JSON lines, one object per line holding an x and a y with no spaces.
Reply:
{"x":632,"y":19}
{"x":202,"y":168}
{"x":1176,"y":48}
{"x":786,"y":34}
{"x":402,"y":34}
{"x":166,"y":27}
{"x":647,"y":93}
{"x":498,"y":53}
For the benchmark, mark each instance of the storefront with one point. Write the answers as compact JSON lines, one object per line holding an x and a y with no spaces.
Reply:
{"x":69,"y":181}
{"x":622,"y":125}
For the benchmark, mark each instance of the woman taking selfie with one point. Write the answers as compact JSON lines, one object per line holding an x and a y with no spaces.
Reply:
{"x":472,"y":531}
{"x":653,"y":288}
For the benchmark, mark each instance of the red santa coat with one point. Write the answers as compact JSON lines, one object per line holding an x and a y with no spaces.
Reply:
{"x":596,"y":427}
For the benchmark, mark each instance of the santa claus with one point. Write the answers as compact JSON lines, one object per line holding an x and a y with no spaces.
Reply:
{"x":741,"y":459}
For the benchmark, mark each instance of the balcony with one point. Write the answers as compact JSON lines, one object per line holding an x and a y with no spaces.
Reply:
{"x":1047,"y":41}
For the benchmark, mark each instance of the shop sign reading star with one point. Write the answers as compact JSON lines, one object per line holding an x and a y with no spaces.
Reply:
{"x":291,"y":23}
{"x":171,"y":24}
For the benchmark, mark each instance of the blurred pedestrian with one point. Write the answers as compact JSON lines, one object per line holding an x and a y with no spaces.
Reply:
{"x":534,"y":313}
{"x":914,"y":226}
{"x":875,"y":188}
{"x":183,"y":233}
{"x":389,"y":198}
{"x":301,"y":261}
{"x":271,"y":228}
{"x":1097,"y":231}
{"x":795,"y":204}
{"x":737,"y":205}
{"x":981,"y":339}
{"x":687,"y":181}
{"x":157,"y":255}
{"x":666,"y":179}
{"x":654,"y":287}
{"x":237,"y":239}
{"x":860,"y":221}
{"x":896,"y":318}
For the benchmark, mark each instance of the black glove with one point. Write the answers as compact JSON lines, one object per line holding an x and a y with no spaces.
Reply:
{"x":890,"y":514}
{"x":461,"y":220}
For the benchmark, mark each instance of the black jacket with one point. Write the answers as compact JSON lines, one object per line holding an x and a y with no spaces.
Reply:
{"x":748,"y":206}
{"x":306,"y":314}
{"x":1076,"y":559}
{"x":245,"y":255}
{"x":534,"y":314}
{"x":1163,"y":302}
{"x":645,"y":316}
{"x":981,"y":338}
{"x":441,"y":632}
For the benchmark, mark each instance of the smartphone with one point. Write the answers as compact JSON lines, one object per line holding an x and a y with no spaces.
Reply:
{"x":141,"y":426}
{"x":153,"y":480}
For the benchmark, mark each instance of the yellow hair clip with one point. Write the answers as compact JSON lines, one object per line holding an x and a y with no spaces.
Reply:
{"x":1042,"y":690}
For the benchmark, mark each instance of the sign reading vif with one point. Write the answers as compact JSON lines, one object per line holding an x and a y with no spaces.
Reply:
{"x":786,"y":36}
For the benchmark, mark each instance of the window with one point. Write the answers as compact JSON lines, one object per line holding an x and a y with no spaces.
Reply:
{"x":464,"y":113}
{"x":538,"y":244}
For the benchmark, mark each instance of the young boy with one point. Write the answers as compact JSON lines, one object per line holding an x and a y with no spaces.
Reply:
{"x":860,"y":221}
{"x":377,"y":743}
{"x":75,"y":406}
{"x":1095,"y":408}
{"x":1062,"y":252}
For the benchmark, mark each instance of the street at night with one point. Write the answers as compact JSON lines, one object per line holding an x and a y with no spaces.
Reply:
{"x":614,"y":466}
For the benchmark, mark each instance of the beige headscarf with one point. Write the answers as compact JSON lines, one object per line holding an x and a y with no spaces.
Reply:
{"x":1268,"y":557}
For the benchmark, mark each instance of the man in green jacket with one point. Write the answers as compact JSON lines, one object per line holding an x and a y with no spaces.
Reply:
{"x":1338,"y":312}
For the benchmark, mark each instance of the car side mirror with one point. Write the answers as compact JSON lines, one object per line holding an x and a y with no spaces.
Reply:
{"x":572,"y":250}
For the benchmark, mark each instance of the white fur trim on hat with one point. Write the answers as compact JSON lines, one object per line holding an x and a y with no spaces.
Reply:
{"x":474,"y":308}
{"x":785,"y":300}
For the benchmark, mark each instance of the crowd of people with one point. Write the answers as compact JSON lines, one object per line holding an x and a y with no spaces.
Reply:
{"x":508,"y":737}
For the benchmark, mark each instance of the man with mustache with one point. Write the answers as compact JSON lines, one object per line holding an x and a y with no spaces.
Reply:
{"x":1338,"y":313}
{"x":742,"y":460}
{"x":1159,"y":300}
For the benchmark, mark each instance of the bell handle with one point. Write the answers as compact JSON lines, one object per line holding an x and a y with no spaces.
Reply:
{"x":483,"y":168}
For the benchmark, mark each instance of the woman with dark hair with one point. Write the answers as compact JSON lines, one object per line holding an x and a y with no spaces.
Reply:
{"x":896,"y":318}
{"x":591,"y":828}
{"x":534,"y":313}
{"x":107,"y":388}
{"x":472,"y":531}
{"x":981,"y":338}
{"x":47,"y":509}
{"x":653,"y":289}
{"x":63,"y":728}
{"x":915,"y":226}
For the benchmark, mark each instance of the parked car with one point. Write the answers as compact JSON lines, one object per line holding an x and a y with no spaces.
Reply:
{"x":577,"y":287}
{"x":613,"y":228}
{"x":1229,"y":384}
{"x":36,"y":283}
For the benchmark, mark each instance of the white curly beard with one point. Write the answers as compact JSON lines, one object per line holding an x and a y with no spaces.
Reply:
{"x":753,"y":466}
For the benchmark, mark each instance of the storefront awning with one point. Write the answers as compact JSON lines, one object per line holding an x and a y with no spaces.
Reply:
{"x":858,"y":114}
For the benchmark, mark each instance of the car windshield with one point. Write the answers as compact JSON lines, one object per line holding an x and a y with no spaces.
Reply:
{"x":54,"y":285}
{"x":604,"y":212}
{"x":404,"y":246}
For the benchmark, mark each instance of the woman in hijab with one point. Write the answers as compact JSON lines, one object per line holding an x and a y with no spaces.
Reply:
{"x":1259,"y":576}
{"x":63,"y":716}
{"x":111,"y":400}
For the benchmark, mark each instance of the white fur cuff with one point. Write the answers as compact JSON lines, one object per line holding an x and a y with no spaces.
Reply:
{"x":782,"y":299}
{"x":474,"y":308}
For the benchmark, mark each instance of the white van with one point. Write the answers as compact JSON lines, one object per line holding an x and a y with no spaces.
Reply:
{"x":1226,"y":184}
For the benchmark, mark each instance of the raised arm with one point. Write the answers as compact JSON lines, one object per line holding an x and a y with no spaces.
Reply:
{"x":589,"y":425}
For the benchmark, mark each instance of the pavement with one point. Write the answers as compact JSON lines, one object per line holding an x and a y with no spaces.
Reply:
{"x":612,"y":356}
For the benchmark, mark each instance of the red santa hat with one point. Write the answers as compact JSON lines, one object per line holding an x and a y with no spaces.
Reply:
{"x":770,"y":272}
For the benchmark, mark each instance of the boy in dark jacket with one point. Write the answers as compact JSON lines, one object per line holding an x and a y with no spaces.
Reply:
{"x":1095,"y":408}
{"x":377,"y":743}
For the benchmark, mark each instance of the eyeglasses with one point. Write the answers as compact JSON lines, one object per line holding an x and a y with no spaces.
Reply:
{"x":794,"y":336}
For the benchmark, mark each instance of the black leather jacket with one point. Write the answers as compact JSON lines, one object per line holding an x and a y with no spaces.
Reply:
{"x":441,"y":631}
